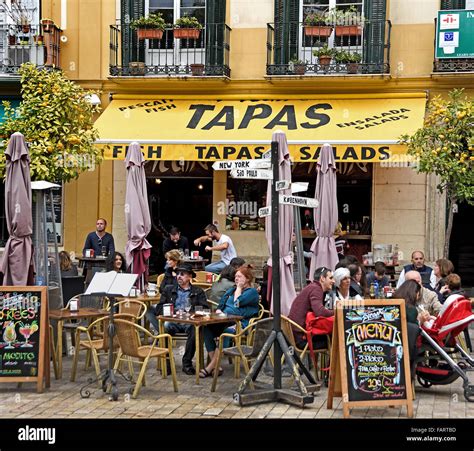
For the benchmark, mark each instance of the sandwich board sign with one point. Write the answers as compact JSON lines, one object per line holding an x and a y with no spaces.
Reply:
{"x":370,"y":364}
{"x":24,"y":344}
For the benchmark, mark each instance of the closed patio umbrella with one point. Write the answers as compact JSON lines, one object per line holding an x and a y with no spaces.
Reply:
{"x":137,"y":214}
{"x":17,"y":264}
{"x":326,"y":215}
{"x":285,"y":229}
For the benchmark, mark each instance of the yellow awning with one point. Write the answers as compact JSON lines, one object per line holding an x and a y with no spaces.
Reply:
{"x":360,"y":128}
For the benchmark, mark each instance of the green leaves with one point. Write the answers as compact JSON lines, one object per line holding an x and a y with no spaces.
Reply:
{"x":57,"y":121}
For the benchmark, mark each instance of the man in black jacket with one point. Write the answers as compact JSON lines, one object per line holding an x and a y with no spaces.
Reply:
{"x":180,"y":295}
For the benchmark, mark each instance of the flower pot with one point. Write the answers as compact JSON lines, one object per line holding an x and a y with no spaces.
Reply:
{"x":11,"y":40}
{"x":136,"y":67}
{"x":26,"y":28}
{"x":299,"y":69}
{"x":186,"y":33}
{"x":38,"y":39}
{"x":348,"y":30}
{"x":325,"y":61}
{"x":318,"y":30}
{"x":197,"y":69}
{"x":352,"y":68}
{"x":48,"y":25}
{"x":149,"y":33}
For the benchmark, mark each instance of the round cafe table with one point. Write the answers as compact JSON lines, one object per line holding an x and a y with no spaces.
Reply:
{"x":198,"y":264}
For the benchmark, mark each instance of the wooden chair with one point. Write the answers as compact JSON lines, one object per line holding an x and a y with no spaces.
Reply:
{"x":287,"y":327}
{"x":245,"y":352}
{"x":132,"y":307}
{"x":93,"y":344}
{"x":130,"y":346}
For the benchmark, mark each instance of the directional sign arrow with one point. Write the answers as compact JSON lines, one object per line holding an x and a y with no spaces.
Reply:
{"x":228,"y":165}
{"x":258,"y":174}
{"x":282,"y":185}
{"x":298,"y":201}
{"x":265,"y":211}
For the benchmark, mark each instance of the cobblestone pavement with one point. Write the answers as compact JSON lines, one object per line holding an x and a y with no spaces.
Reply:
{"x":158,"y":400}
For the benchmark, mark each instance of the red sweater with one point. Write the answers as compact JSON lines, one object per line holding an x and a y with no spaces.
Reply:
{"x":311,"y":298}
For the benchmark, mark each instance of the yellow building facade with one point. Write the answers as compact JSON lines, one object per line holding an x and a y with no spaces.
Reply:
{"x":403,"y":206}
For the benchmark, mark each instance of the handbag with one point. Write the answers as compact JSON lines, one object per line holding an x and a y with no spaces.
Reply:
{"x":317,"y":325}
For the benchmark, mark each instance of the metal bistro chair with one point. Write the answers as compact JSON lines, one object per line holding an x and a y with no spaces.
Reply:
{"x":245,"y":352}
{"x":130,"y":346}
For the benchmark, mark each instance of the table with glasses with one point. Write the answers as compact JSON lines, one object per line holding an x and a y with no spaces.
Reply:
{"x":198,"y":264}
{"x":63,"y":315}
{"x":198,"y":321}
{"x":87,"y":263}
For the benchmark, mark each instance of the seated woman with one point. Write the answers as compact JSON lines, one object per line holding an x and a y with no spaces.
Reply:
{"x":240,"y":300}
{"x":226,"y":281}
{"x":173,"y":260}
{"x":410,"y":290}
{"x":116,"y":262}
{"x":358,"y":284}
{"x":66,"y":266}
{"x":342,"y":283}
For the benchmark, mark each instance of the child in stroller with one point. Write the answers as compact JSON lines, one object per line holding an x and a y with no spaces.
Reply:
{"x":438,"y":349}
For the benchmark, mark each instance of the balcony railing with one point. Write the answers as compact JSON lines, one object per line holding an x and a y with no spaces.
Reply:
{"x":451,"y":64}
{"x":206,"y":56}
{"x":37,"y":44}
{"x":291,"y":49}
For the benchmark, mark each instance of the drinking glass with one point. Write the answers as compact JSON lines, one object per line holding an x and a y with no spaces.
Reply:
{"x":187,"y":308}
{"x":186,"y":253}
{"x":207,"y":312}
{"x":104,"y":251}
{"x":198,"y":309}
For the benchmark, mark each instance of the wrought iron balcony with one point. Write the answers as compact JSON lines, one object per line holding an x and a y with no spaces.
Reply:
{"x":36,"y":43}
{"x":205,"y":56}
{"x":441,"y":65}
{"x":292,"y":49}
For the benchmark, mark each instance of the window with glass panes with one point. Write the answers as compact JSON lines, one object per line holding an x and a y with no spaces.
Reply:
{"x":173,"y":9}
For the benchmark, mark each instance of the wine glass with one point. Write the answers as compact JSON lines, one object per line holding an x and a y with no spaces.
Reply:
{"x":188,"y":309}
{"x":104,"y":251}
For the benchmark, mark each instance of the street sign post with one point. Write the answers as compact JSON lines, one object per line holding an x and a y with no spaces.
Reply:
{"x":258,"y":174}
{"x":298,"y":201}
{"x":229,"y":165}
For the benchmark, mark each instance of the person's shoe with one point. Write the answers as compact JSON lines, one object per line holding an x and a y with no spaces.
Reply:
{"x":189,"y":370}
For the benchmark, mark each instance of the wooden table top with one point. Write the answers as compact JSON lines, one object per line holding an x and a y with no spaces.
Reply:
{"x":85,"y":312}
{"x":200,"y":320}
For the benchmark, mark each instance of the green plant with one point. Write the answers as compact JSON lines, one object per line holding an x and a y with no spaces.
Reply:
{"x":445,"y":146}
{"x":350,"y":16}
{"x":57,"y":121}
{"x":187,"y":22}
{"x":297,"y":62}
{"x":347,"y":57}
{"x":324,"y":51}
{"x":154,"y":20}
{"x":315,"y":19}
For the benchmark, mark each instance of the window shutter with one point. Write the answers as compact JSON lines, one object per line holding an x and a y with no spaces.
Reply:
{"x":453,"y":4}
{"x":286,"y":30}
{"x":132,"y":49}
{"x":215,"y":34}
{"x":374,"y":35}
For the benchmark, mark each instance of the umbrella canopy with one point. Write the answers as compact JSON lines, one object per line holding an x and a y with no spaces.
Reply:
{"x":137,"y":213}
{"x":285,"y":228}
{"x":326,"y":216}
{"x":17,"y":264}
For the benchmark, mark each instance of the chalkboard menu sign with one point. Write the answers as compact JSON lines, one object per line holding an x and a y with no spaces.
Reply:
{"x":370,"y":361}
{"x":23,"y":329}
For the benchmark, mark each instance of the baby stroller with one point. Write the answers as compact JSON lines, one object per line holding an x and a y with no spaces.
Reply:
{"x":440,"y":360}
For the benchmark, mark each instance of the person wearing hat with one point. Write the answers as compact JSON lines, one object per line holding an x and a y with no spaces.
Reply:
{"x":180,"y":295}
{"x":342,"y":284}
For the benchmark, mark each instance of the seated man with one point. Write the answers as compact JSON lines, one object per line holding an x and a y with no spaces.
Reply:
{"x":310,"y":299}
{"x":175,"y":241}
{"x":428,"y":298}
{"x":378,"y":275}
{"x":427,"y":274}
{"x":101,"y":241}
{"x":180,"y":296}
{"x":223,"y":244}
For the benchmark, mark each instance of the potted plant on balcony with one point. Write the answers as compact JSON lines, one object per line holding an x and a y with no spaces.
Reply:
{"x":350,"y":59}
{"x":297,"y":66}
{"x":324,"y":55}
{"x":47,"y":25}
{"x":150,"y":27}
{"x":347,"y":22}
{"x":197,"y":69}
{"x":187,"y":27}
{"x":315,"y":24}
{"x":20,"y":14}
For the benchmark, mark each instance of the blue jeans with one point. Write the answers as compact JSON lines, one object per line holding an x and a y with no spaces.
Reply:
{"x":215,"y":267}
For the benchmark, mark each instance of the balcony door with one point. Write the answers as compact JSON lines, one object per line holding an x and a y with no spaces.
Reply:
{"x":310,"y":43}
{"x":169,"y":51}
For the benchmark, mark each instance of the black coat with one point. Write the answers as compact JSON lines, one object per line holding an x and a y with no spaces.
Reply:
{"x":170,"y":295}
